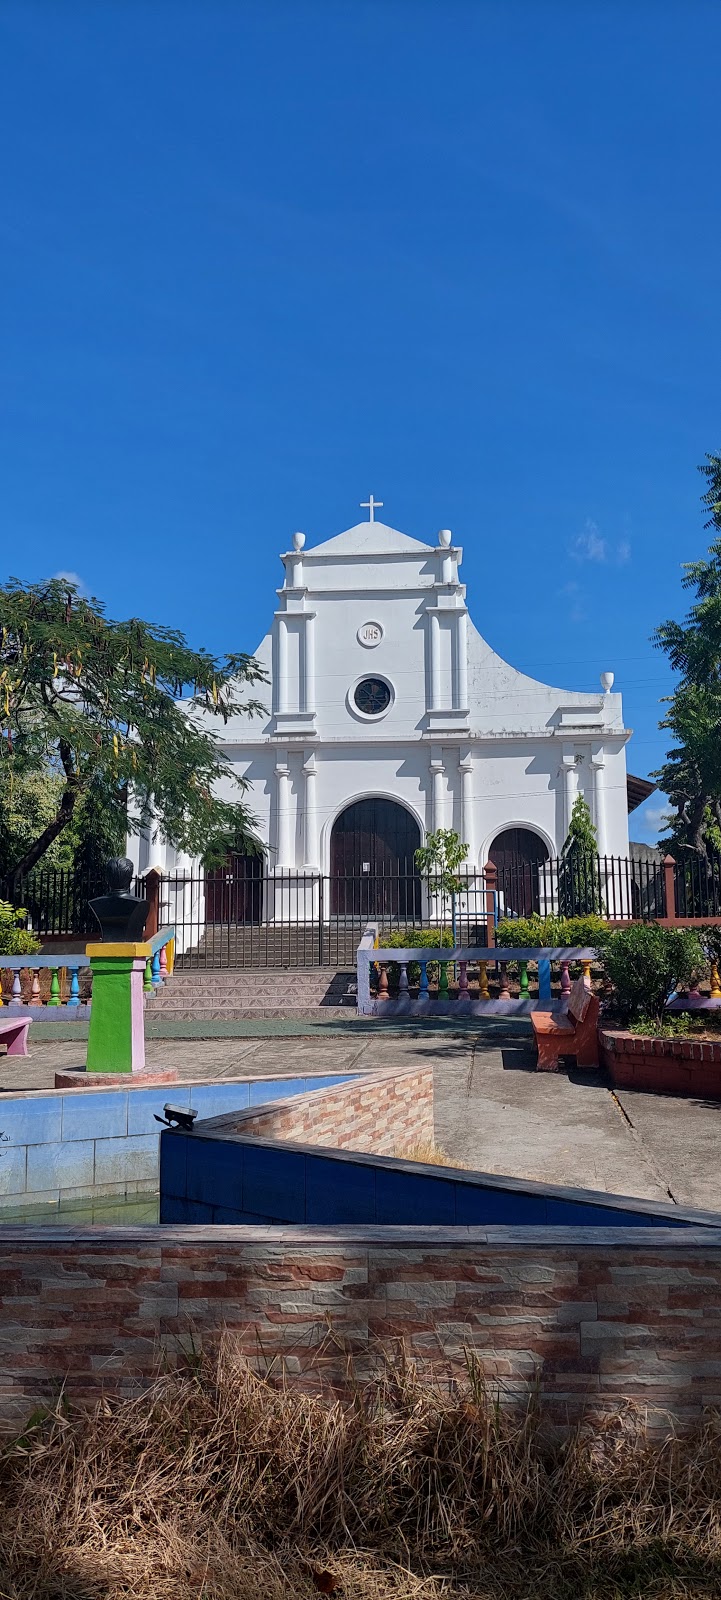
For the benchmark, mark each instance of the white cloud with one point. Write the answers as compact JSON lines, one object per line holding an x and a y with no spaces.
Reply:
{"x":655,"y":818}
{"x":589,"y":546}
{"x":73,"y":577}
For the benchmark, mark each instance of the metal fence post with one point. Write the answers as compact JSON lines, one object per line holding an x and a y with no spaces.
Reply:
{"x":491,"y":876}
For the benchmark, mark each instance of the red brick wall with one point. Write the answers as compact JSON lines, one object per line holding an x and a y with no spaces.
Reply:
{"x":594,"y":1318}
{"x":386,"y":1112}
{"x":665,"y":1066}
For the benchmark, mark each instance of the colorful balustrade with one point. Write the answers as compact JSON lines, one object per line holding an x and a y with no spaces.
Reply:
{"x":423,"y":981}
{"x":32,"y":985}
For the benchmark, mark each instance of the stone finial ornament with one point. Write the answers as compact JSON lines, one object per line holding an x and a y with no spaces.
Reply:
{"x":298,"y":541}
{"x":444,"y":537}
{"x":607,"y":679}
{"x":120,"y":915}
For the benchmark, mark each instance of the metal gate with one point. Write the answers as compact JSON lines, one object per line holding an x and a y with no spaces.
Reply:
{"x":240,"y":918}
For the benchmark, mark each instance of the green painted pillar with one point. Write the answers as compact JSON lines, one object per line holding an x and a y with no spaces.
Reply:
{"x":116,"y":1038}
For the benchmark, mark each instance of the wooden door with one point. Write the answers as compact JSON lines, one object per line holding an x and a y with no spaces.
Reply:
{"x":372,"y":861}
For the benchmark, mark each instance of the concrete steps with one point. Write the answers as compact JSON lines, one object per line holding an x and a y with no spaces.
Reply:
{"x":268,"y":946}
{"x":237,"y":996}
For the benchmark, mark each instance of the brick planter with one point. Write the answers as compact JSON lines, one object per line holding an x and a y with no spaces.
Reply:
{"x":663,"y":1066}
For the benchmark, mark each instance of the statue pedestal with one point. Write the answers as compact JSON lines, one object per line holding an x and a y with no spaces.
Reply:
{"x":80,"y":1078}
{"x":116,"y":1040}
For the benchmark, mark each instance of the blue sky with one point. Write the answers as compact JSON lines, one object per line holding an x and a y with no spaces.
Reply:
{"x":259,"y":259}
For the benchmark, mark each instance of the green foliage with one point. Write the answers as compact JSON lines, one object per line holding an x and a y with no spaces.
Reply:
{"x":645,"y":962}
{"x":710,"y":939}
{"x":439,"y":859}
{"x":416,"y":939}
{"x":14,"y":938}
{"x":581,"y":836}
{"x":691,"y":774}
{"x":552,"y":932}
{"x":677,"y":1024}
{"x":579,"y":885}
{"x":98,"y":705}
{"x":232,"y":841}
{"x":28,"y":802}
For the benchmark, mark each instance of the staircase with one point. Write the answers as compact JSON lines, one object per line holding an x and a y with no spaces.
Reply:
{"x":318,"y":994}
{"x":254,"y":946}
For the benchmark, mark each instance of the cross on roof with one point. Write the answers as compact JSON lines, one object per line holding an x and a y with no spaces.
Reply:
{"x":371,"y":505}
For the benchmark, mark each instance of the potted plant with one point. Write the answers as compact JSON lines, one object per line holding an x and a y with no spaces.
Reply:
{"x":643,"y":1045}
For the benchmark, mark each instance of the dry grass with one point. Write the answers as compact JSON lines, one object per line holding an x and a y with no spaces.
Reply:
{"x":432,"y":1154}
{"x":220,"y":1485}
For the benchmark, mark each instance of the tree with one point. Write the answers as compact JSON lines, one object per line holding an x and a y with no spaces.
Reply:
{"x":440,"y":857}
{"x":578,"y":877}
{"x":691,"y":774}
{"x":99,"y":706}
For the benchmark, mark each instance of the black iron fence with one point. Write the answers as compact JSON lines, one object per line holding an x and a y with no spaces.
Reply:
{"x":247,"y":915}
{"x":614,"y":887}
{"x":697,"y":886}
{"x":56,"y":900}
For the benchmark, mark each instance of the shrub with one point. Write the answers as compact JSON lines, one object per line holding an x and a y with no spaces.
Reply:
{"x":645,"y":962}
{"x":416,"y":939}
{"x":14,"y":938}
{"x":552,"y":932}
{"x":710,"y":938}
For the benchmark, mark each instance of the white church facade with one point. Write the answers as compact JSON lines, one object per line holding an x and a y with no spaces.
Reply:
{"x":388,"y":715}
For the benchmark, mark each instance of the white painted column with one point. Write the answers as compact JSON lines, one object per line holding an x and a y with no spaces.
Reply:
{"x":310,"y":806}
{"x":435,"y":624}
{"x":465,"y":768}
{"x":281,"y":664}
{"x":599,"y":803}
{"x":439,"y":797}
{"x":461,"y":675}
{"x":283,"y":832}
{"x":570,"y":779}
{"x":309,"y":663}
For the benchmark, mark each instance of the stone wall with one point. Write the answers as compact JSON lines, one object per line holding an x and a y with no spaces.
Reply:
{"x":387,"y":1112}
{"x":593,"y":1316}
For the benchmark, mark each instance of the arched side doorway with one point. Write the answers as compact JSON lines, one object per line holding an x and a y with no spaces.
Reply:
{"x":372,"y":866}
{"x":519,"y":856}
{"x":234,"y":892}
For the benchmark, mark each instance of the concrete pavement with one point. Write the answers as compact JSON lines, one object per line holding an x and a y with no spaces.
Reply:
{"x":493,"y":1111}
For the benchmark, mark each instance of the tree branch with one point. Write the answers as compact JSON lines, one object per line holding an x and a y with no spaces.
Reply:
{"x":68,"y":801}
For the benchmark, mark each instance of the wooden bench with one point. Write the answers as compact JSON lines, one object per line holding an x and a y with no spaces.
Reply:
{"x":572,"y":1034}
{"x":14,"y":1031}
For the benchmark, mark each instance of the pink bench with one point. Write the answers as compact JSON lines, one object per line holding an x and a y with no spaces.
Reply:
{"x":572,"y":1034}
{"x":14,"y":1031}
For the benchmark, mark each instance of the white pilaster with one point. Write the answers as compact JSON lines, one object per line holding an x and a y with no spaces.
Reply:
{"x":435,"y":625}
{"x":570,"y":782}
{"x":283,"y":816}
{"x":310,"y":808}
{"x":309,"y":663}
{"x":460,"y":701}
{"x":439,"y":795}
{"x":598,"y":765}
{"x":280,"y":686}
{"x":465,"y":768}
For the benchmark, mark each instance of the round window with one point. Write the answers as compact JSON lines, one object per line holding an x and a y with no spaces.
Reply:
{"x":372,"y":696}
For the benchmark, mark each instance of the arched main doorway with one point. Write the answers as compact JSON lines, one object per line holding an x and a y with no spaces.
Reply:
{"x":519,"y":856}
{"x":372,"y":866}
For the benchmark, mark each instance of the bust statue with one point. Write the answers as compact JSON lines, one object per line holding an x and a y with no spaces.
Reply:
{"x":120,"y":914}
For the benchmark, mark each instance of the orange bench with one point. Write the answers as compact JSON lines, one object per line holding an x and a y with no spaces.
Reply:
{"x":14,"y":1030}
{"x":572,"y":1034}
